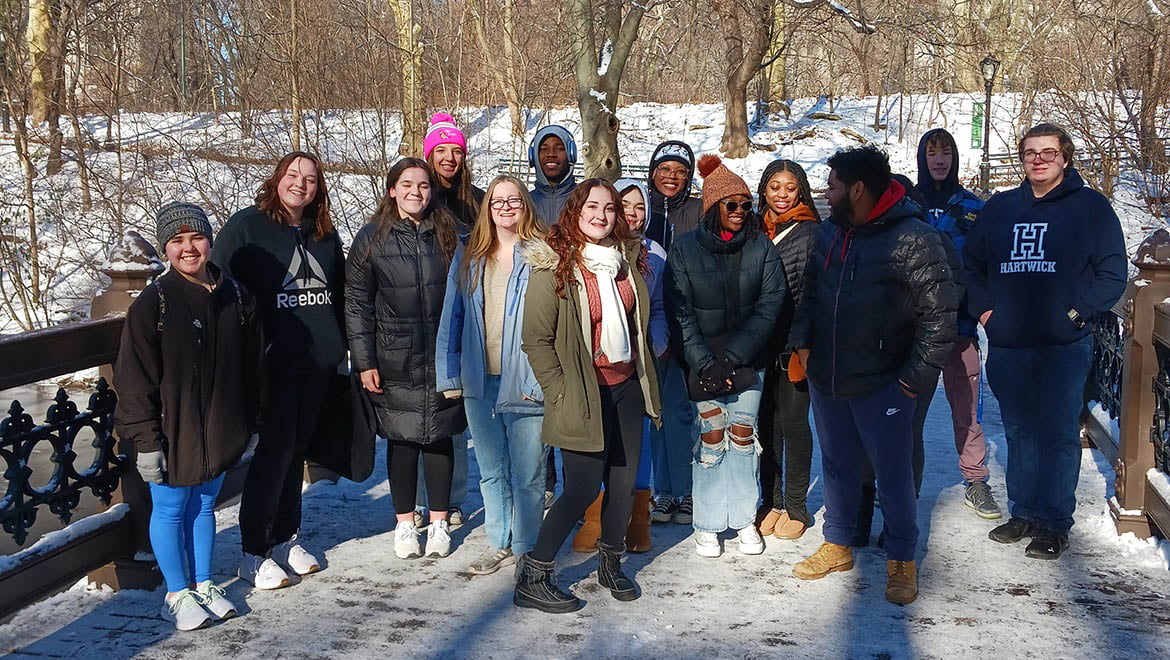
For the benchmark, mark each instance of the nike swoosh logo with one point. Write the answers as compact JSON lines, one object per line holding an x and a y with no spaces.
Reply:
{"x":892,"y":411}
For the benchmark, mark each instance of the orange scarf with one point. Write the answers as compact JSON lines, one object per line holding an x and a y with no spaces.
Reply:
{"x":798,"y":213}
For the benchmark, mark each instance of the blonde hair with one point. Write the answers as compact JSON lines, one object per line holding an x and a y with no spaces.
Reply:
{"x":483,"y":242}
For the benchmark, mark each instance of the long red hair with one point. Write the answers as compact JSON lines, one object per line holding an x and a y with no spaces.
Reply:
{"x":567,"y":240}
{"x":268,"y":200}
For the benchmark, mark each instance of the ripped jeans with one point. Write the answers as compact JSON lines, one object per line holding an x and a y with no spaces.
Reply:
{"x":726,"y":473}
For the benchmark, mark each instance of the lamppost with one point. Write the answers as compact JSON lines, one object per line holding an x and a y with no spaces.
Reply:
{"x":989,"y":66}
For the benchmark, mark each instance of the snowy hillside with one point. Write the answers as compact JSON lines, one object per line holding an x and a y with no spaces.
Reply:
{"x":207,"y":160}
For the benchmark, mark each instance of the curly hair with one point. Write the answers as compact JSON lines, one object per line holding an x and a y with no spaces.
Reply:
{"x":387,"y":214}
{"x":567,"y":240}
{"x":268,"y":199}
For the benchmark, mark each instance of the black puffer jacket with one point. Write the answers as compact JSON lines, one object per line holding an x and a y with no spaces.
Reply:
{"x":794,"y":249}
{"x":715,"y":287}
{"x":877,"y":302}
{"x":395,"y":282}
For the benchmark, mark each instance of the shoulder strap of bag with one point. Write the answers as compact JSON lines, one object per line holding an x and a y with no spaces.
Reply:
{"x":781,"y":235}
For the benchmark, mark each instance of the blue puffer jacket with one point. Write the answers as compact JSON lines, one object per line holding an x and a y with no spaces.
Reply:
{"x":961,"y":213}
{"x":460,"y":349}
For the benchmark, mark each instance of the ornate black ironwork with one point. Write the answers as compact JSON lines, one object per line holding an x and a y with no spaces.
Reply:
{"x":1160,"y":429}
{"x":1108,"y":360}
{"x":62,"y":492}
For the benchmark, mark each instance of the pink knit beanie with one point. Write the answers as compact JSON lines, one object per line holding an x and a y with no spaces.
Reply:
{"x":442,"y":131}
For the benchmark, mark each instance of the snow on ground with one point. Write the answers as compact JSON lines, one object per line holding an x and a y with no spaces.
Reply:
{"x":1105,"y":597}
{"x":165,"y":159}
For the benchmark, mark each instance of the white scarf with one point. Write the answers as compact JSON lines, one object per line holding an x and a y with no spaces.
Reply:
{"x":606,"y":263}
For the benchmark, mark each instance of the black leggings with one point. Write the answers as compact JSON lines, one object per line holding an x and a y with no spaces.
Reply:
{"x":622,"y":412}
{"x":787,"y":440}
{"x":437,"y":458}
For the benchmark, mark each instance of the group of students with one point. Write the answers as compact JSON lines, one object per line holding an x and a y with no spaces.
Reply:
{"x":653,"y":338}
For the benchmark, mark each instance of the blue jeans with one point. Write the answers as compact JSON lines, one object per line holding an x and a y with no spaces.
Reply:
{"x":1040,"y":391}
{"x":511,"y":470}
{"x":727,"y":474}
{"x":458,"y":475}
{"x":182,"y":526}
{"x":672,"y":445}
{"x":878,"y":429}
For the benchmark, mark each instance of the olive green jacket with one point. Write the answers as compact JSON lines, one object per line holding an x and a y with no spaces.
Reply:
{"x":558,"y":339}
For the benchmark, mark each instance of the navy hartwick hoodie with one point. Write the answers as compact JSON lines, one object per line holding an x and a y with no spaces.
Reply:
{"x":1032,"y":260}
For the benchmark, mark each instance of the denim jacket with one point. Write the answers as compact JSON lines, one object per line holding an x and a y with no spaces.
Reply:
{"x":461,"y":351}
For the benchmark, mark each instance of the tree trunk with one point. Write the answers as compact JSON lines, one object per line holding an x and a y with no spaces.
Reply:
{"x":735,"y":143}
{"x":505,"y":70}
{"x":413,"y":104}
{"x":1155,"y":86}
{"x":293,"y":77}
{"x":79,"y":141}
{"x":41,"y":38}
{"x":746,"y":40}
{"x":777,"y":70}
{"x":599,"y":76}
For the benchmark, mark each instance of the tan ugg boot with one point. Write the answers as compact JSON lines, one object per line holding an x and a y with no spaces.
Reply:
{"x":789,"y":528}
{"x":770,"y":520}
{"x":829,"y":558}
{"x":638,"y":533}
{"x":901,"y":582}
{"x":586,"y":538}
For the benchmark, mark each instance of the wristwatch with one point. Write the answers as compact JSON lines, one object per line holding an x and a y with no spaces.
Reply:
{"x":1078,"y":320}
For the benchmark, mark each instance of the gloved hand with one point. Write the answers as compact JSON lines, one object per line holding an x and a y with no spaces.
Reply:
{"x":152,"y":465}
{"x":715,"y":376}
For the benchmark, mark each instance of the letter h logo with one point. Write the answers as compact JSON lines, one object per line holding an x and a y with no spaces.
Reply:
{"x":1028,"y":243}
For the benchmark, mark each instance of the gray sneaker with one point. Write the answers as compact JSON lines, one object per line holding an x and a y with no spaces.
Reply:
{"x":185,"y":611}
{"x":492,"y":560}
{"x":978,"y":497}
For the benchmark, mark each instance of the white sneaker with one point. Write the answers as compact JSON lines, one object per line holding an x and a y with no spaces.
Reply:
{"x":262,"y":572}
{"x":183,"y":610}
{"x":406,"y":540}
{"x":707,"y":544}
{"x":214,"y":600}
{"x":750,"y":542}
{"x":293,"y":557}
{"x":438,"y":539}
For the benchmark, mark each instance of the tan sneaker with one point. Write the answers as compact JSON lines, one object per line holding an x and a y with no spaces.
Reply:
{"x":828,"y":558}
{"x":789,"y":529}
{"x":770,"y":520}
{"x":901,"y":582}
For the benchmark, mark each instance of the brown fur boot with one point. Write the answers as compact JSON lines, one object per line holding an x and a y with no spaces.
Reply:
{"x":586,"y":538}
{"x":638,"y":533}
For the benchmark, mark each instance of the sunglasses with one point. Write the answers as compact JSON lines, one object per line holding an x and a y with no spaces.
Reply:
{"x":746,"y":207}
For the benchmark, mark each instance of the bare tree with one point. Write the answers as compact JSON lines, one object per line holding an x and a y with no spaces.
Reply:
{"x":599,"y":76}
{"x":413,"y":106}
{"x":747,"y":28}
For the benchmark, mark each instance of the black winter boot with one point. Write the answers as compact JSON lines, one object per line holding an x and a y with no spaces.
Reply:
{"x":536,"y":588}
{"x":609,"y":572}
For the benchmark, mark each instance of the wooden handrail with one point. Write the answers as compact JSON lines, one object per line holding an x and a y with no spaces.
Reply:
{"x":40,"y":354}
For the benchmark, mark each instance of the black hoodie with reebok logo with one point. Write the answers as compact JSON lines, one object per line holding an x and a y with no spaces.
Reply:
{"x":299,"y":284}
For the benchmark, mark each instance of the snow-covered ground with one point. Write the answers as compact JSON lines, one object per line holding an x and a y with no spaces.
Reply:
{"x":165,"y":157}
{"x":1106,"y":597}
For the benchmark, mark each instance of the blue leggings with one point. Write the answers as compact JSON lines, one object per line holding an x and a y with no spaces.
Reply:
{"x":183,"y":524}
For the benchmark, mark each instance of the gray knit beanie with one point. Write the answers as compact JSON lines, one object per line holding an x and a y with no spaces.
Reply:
{"x":177,"y":218}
